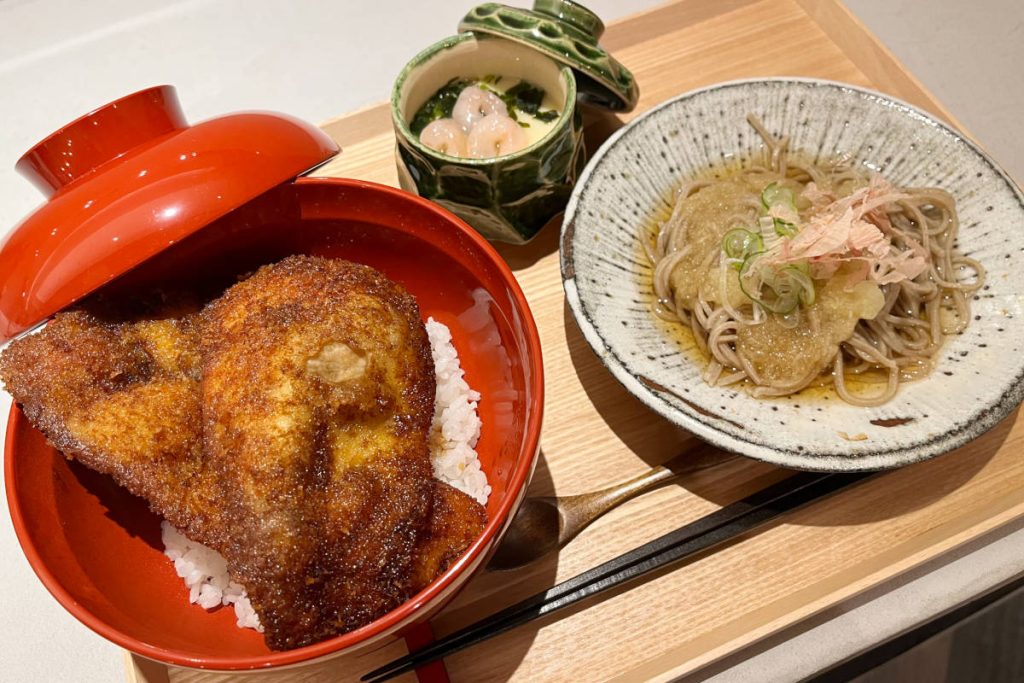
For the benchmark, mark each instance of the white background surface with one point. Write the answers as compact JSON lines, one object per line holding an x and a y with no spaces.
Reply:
{"x":320,"y":59}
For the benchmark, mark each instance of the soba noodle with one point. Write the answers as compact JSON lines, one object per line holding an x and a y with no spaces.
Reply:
{"x":791,"y":274}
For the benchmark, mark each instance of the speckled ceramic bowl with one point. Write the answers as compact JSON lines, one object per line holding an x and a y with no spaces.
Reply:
{"x":508,"y":198}
{"x":979,"y":378}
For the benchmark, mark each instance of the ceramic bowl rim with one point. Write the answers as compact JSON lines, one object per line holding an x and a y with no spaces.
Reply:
{"x":404,"y":614}
{"x":402,"y":128}
{"x":921,"y":449}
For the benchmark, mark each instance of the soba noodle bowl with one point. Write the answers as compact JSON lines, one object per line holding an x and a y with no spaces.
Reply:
{"x":792,"y":274}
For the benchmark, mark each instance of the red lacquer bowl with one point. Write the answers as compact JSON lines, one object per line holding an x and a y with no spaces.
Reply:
{"x":97,"y":548}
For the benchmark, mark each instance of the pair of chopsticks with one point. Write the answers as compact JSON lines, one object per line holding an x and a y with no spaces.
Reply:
{"x":718,"y":527}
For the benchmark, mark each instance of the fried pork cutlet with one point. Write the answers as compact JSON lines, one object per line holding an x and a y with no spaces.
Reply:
{"x":285,"y":426}
{"x":122,"y":398}
{"x":317,"y":396}
{"x":456,"y":520}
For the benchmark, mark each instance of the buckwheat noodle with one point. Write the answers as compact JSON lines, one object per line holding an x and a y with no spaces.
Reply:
{"x":900,"y":343}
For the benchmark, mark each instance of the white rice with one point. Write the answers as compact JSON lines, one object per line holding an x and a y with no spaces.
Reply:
{"x":205,"y":573}
{"x":453,"y":435}
{"x":456,"y":426}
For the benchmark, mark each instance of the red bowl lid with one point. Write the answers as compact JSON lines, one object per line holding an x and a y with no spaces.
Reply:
{"x":128,"y":180}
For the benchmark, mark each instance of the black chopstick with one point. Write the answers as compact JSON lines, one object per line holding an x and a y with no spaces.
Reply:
{"x":718,"y":527}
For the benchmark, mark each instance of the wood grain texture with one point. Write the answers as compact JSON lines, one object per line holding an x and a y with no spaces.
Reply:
{"x":595,"y":433}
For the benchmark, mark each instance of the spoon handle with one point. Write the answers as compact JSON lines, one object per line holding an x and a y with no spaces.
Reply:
{"x":578,"y":512}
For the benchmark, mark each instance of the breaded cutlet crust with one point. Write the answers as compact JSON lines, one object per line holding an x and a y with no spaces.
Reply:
{"x":325,"y":470}
{"x":285,"y":426}
{"x":123,"y":399}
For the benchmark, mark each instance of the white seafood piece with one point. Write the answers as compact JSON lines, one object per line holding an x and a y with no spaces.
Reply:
{"x":445,"y":136}
{"x":475,"y":104}
{"x":494,"y":136}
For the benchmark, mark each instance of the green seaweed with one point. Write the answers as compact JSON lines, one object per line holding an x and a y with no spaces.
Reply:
{"x":440,"y":104}
{"x":527,"y":97}
{"x":522,"y":97}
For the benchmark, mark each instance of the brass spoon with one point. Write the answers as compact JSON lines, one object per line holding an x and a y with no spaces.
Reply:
{"x":545,"y":523}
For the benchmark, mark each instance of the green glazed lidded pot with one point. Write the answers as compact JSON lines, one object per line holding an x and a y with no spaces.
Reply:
{"x":554,"y":46}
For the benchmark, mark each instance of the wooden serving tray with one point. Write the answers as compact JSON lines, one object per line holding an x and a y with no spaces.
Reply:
{"x":595,"y":433}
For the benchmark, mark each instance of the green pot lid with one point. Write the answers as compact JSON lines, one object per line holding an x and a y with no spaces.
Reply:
{"x":568,"y":33}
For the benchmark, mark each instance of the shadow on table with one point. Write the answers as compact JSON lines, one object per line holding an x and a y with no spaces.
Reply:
{"x":522,"y":256}
{"x":897,"y":492}
{"x":888,"y":495}
{"x":598,"y":126}
{"x":863,"y":503}
{"x":650,"y":437}
{"x":656,"y":440}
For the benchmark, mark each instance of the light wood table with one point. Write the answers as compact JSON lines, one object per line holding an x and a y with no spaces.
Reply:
{"x":596,"y":433}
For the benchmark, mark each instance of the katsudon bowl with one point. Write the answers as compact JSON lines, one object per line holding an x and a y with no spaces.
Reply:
{"x":96,"y":547}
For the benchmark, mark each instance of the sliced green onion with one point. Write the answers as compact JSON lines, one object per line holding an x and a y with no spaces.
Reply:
{"x":790,"y":285}
{"x":801,"y":266}
{"x":783,"y":228}
{"x":777,"y":194}
{"x":743,"y":274}
{"x":739,"y":243}
{"x":782,"y":303}
{"x":803,"y":279}
{"x":790,"y":320}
